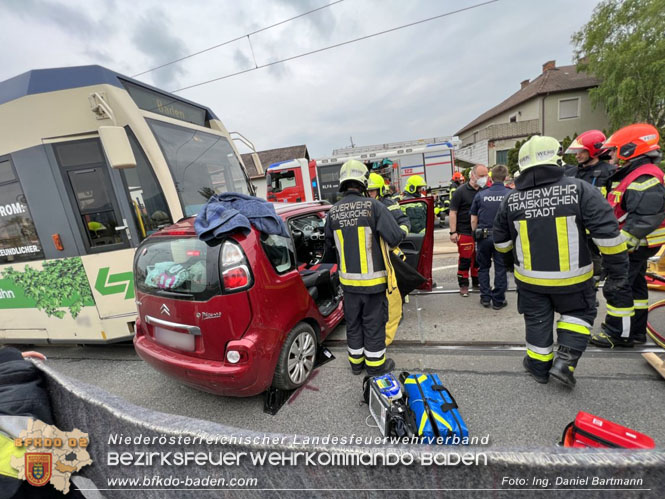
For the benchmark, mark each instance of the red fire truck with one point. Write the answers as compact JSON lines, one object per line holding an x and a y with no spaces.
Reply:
{"x":302,"y":180}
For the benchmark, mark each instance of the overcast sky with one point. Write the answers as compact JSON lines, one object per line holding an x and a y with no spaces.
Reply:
{"x":424,"y":81}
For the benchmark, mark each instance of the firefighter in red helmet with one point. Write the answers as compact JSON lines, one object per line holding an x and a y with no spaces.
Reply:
{"x":589,"y":151}
{"x":636,"y":193}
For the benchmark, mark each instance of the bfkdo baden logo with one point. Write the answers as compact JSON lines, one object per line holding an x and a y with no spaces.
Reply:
{"x":38,"y":468}
{"x":49,"y":455}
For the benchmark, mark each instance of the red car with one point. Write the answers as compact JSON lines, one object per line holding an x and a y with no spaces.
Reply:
{"x":236,"y":318}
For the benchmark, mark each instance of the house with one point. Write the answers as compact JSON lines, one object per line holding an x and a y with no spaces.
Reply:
{"x":556,"y":103}
{"x":266,"y":158}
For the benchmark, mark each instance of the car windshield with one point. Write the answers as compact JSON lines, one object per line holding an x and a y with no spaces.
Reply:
{"x":202,"y":164}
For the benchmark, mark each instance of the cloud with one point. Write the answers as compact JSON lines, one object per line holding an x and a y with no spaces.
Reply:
{"x":323,"y":21}
{"x":72,"y":20}
{"x":241,"y":60}
{"x":153,"y":36}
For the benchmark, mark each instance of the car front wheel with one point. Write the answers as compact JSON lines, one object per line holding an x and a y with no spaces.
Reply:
{"x":296,"y":360}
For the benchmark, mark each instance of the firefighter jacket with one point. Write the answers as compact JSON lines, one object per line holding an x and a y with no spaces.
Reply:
{"x":637,"y":196}
{"x":394,"y":209}
{"x":416,"y":213}
{"x":544,"y":221}
{"x":597,"y":175}
{"x":355,"y":227}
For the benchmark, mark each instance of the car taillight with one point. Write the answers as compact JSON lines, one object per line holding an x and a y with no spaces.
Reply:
{"x":234,"y":268}
{"x":236,"y":278}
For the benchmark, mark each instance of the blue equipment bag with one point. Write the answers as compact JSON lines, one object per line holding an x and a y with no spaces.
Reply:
{"x":435,"y":409}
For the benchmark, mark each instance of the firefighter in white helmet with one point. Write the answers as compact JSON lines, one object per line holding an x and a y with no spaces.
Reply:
{"x":362,"y":231}
{"x":543,"y":222}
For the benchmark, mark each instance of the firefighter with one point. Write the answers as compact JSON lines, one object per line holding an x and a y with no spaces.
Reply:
{"x":376,"y":189}
{"x":588,"y":150}
{"x":543,"y":222}
{"x":460,"y":228}
{"x":456,"y":180}
{"x":416,"y":187}
{"x":636,"y":194}
{"x":362,"y":230}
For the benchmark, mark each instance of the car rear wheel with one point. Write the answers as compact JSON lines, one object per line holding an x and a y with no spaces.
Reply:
{"x":296,"y":360}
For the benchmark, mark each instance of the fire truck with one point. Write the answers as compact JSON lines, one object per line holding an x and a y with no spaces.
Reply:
{"x":302,"y":180}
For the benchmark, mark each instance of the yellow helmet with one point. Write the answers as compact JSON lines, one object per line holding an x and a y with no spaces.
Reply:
{"x":414,"y":183}
{"x":539,"y":151}
{"x":376,"y":182}
{"x":353,"y":170}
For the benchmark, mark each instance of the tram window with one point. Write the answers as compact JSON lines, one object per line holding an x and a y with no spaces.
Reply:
{"x":18,"y":236}
{"x":80,"y":152}
{"x":6,"y":172}
{"x":95,"y":207}
{"x":149,"y":207}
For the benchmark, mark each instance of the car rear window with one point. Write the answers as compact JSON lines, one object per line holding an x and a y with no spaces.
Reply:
{"x":182,"y":268}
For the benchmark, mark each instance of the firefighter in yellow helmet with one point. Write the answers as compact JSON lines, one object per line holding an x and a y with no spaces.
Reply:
{"x":376,"y":189}
{"x":415,"y":188}
{"x":362,"y":231}
{"x":543,"y":223}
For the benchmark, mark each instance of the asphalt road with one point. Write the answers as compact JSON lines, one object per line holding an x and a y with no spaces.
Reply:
{"x":477,"y":353}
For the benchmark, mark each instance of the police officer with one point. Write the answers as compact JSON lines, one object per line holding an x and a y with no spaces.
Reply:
{"x":362,"y":230}
{"x":483,"y":210}
{"x":637,"y":196}
{"x":376,"y":189}
{"x":543,"y":222}
{"x":460,"y":228}
{"x":415,"y":188}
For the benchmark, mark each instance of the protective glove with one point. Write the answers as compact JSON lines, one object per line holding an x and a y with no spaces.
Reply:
{"x":631,"y":241}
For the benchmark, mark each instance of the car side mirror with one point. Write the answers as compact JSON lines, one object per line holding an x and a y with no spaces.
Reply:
{"x":117,"y":147}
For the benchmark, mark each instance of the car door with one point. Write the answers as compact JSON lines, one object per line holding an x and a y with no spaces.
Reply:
{"x":419,"y":247}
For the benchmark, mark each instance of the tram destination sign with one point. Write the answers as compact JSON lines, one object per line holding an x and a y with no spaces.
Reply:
{"x":166,"y":105}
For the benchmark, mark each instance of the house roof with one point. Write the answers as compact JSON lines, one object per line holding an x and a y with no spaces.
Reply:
{"x":557,"y":79}
{"x":271,"y":156}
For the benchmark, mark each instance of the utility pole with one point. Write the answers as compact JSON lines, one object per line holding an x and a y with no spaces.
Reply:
{"x":352,"y":144}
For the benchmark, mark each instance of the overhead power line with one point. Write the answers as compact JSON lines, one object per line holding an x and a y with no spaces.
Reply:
{"x":236,"y":39}
{"x":336,"y":45}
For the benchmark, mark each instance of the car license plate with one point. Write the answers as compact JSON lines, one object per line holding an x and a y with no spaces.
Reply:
{"x":174,"y":339}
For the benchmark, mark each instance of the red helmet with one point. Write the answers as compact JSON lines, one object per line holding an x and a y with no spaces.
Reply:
{"x":590,"y":141}
{"x":634,"y":140}
{"x":458,"y":176}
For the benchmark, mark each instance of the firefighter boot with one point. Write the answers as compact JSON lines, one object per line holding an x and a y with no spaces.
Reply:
{"x":564,"y":365}
{"x":542,"y":379}
{"x":605,"y":340}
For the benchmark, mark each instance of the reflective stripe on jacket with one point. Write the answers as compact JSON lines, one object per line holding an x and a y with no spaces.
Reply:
{"x":355,"y":226}
{"x":394,"y":209}
{"x":544,"y":221}
{"x":641,"y":187}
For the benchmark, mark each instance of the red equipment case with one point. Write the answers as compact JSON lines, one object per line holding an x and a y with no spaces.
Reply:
{"x":592,"y":431}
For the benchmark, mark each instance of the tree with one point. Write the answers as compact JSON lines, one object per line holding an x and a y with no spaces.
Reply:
{"x":513,"y":155}
{"x":568,"y":159}
{"x":624,"y":45}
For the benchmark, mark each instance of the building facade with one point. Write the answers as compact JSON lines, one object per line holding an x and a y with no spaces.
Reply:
{"x":556,"y":103}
